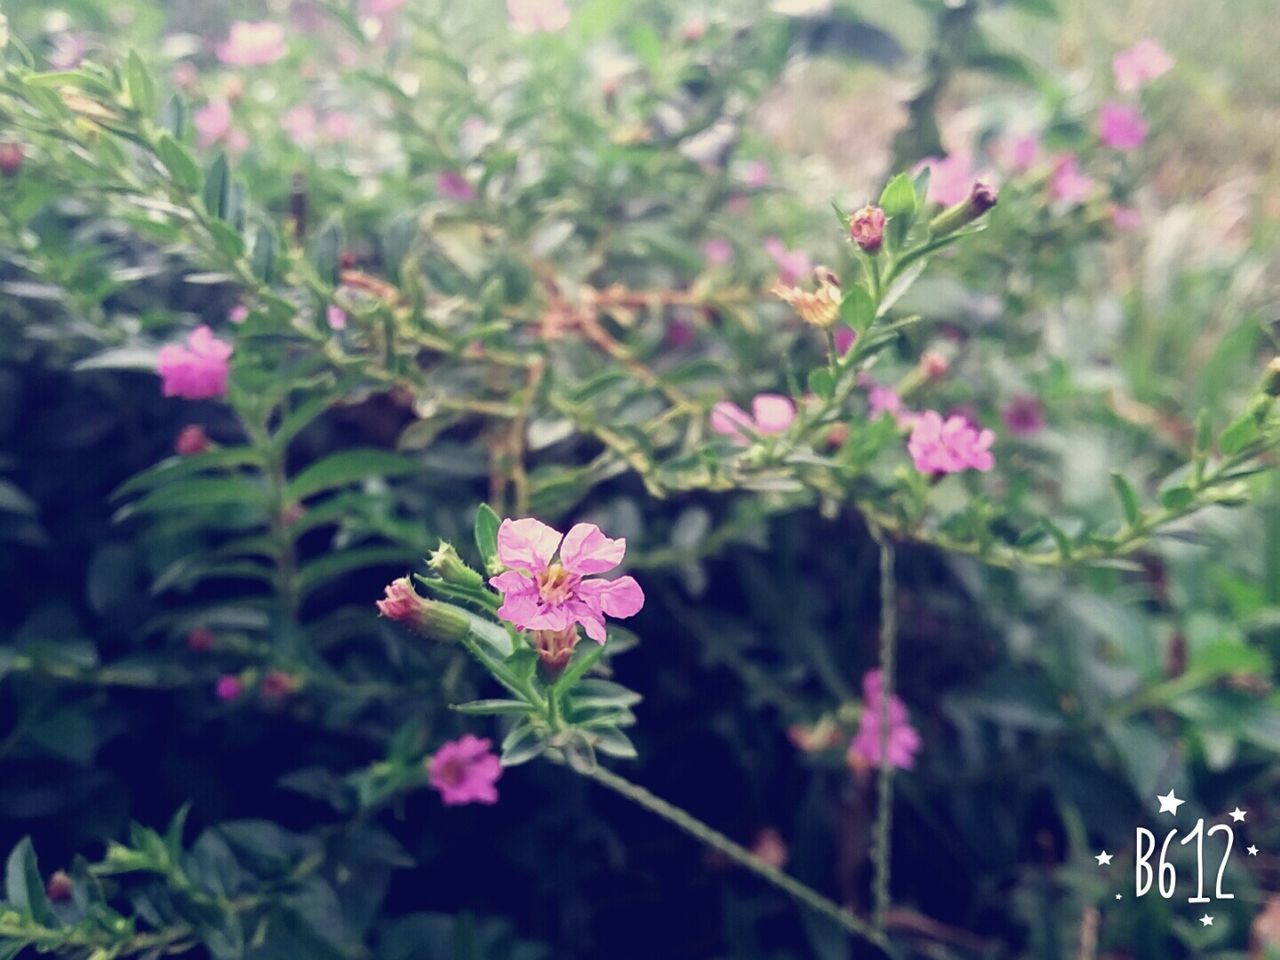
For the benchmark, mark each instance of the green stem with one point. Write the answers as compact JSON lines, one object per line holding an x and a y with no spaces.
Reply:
{"x":739,"y":854}
{"x":884,"y":804}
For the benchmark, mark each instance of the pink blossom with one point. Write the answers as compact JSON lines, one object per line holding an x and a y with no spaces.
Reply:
{"x":338,"y":126}
{"x":1121,"y":126}
{"x":845,"y":338}
{"x":1019,"y":153}
{"x":949,"y":446}
{"x":300,"y":124}
{"x":380,"y":8}
{"x":252,"y":44}
{"x":185,"y":76}
{"x":882,"y":400}
{"x":212,"y":122}
{"x":1023,"y":415}
{"x":903,"y":741}
{"x":191,"y":440}
{"x":465,"y":771}
{"x":1139,"y":65}
{"x":539,"y":594}
{"x":228,"y":687}
{"x":792,"y":264}
{"x":771,"y":848}
{"x":197,"y":371}
{"x":770,"y":413}
{"x":756,"y":174}
{"x":68,"y":50}
{"x":1068,"y":183}
{"x":950,"y":177}
{"x":717,"y":252}
{"x":336,"y":317}
{"x":452,"y":185}
{"x":238,"y":314}
{"x":537,"y":16}
{"x":1125,"y":218}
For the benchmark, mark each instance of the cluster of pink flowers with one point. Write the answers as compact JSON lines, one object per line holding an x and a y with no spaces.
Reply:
{"x":252,"y":44}
{"x":543,"y":592}
{"x":213,"y":123}
{"x":537,"y":16}
{"x":949,"y":446}
{"x":903,"y":742}
{"x":197,"y":371}
{"x":1121,"y":126}
{"x":770,"y":413}
{"x":465,"y":771}
{"x":305,"y":127}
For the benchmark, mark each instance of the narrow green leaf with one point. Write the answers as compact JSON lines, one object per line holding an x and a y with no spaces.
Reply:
{"x":346,"y":467}
{"x":614,"y":743}
{"x":217,"y":187}
{"x":142,"y":89}
{"x":486,"y":533}
{"x":179,"y":163}
{"x":899,"y":204}
{"x":1238,"y":435}
{"x":856,"y":309}
{"x":821,"y":382}
{"x":1129,"y":503}
{"x":521,"y":745}
{"x":495,"y":708}
{"x":24,"y":887}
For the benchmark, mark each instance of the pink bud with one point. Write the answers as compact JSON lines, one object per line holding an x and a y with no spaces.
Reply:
{"x":192,"y":440}
{"x":58,"y":889}
{"x":201,"y":640}
{"x":238,"y":314}
{"x":229,"y":687}
{"x":277,"y":685}
{"x":866,"y":228}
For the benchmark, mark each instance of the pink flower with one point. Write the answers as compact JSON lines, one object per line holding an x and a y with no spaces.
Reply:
{"x":212,"y":122}
{"x":1067,"y":183}
{"x":238,"y":314}
{"x":380,"y":8}
{"x":1020,"y":153}
{"x":1024,"y":415}
{"x":756,"y":174}
{"x":452,"y":185}
{"x":845,"y":339}
{"x":866,"y":228}
{"x":792,"y":264}
{"x":191,"y":440}
{"x":882,"y":400}
{"x":904,"y":742}
{"x":228,"y":687}
{"x":338,"y":126}
{"x":465,"y":771}
{"x":300,"y":125}
{"x":770,"y":413}
{"x":1139,"y":65}
{"x":539,"y":594}
{"x":537,"y":16}
{"x":950,"y":177}
{"x":197,"y":371}
{"x":336,"y":317}
{"x":252,"y":44}
{"x":717,"y":252}
{"x":186,"y":76}
{"x":949,"y":446}
{"x":1125,"y":218}
{"x":1121,"y":126}
{"x":68,"y":50}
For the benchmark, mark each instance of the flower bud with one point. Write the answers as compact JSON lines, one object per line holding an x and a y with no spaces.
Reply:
{"x":555,"y":648}
{"x":58,"y":888}
{"x":192,"y":440}
{"x":933,"y":365}
{"x":866,"y":228}
{"x":11,"y":157}
{"x":437,"y":621}
{"x":446,"y":562}
{"x":229,"y":687}
{"x":277,"y":685}
{"x":1271,"y":379}
{"x":201,"y":640}
{"x":981,"y":198}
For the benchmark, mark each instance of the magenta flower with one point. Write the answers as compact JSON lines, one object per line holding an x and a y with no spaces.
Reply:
{"x":452,"y":185}
{"x":380,"y":8}
{"x":1068,"y":183}
{"x":1125,"y":218}
{"x":541,"y":594}
{"x":212,"y":122}
{"x":1121,"y":126}
{"x":1024,"y":415}
{"x":537,"y":16}
{"x":904,"y":742}
{"x":238,"y":314}
{"x":465,"y":771}
{"x":1139,"y":65}
{"x":845,"y":339}
{"x":882,"y":400}
{"x":252,"y":44}
{"x":300,"y":124}
{"x":68,"y":50}
{"x":770,"y":413}
{"x":756,"y":174}
{"x":339,"y":126}
{"x":717,"y":252}
{"x":792,"y":264}
{"x":197,"y":371}
{"x":1019,"y":153}
{"x":949,"y":446}
{"x":228,"y":687}
{"x":950,"y":177}
{"x":336,"y":317}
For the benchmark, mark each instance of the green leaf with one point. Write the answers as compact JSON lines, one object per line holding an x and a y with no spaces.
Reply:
{"x":330,"y":565}
{"x":603,"y":693}
{"x":521,"y":745}
{"x":486,"y":532}
{"x":179,"y":163}
{"x":494,"y":708}
{"x":1129,"y":503}
{"x":614,"y":743}
{"x":199,"y":492}
{"x":266,"y":245}
{"x":856,"y":309}
{"x":24,"y":887}
{"x":899,"y":204}
{"x":142,"y":89}
{"x":1177,"y":498}
{"x":821,"y":382}
{"x":1238,"y":435}
{"x":217,"y":188}
{"x":346,"y":467}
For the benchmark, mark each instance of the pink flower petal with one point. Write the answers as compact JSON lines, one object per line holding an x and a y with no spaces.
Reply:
{"x":527,"y":544}
{"x":586,"y":550}
{"x":773,"y":413}
{"x":615,"y":598}
{"x":729,"y":420}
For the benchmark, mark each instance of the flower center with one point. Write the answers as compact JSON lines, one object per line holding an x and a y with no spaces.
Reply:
{"x":452,"y":772}
{"x":555,"y":584}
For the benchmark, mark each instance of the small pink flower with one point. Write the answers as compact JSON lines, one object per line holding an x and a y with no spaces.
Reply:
{"x":770,"y":413}
{"x":539,"y":594}
{"x":866,"y":228}
{"x":228,"y":687}
{"x":1139,"y":65}
{"x":949,"y":446}
{"x":1125,"y":218}
{"x":1019,"y":153}
{"x":934,"y":364}
{"x":338,"y":126}
{"x":771,"y":848}
{"x":717,"y":252}
{"x":336,"y":317}
{"x":1024,"y":415}
{"x":68,"y":50}
{"x":756,"y":174}
{"x":238,"y":314}
{"x":212,"y":122}
{"x":300,"y":125}
{"x":882,"y":400}
{"x":950,"y":178}
{"x":252,"y":44}
{"x":845,"y":339}
{"x":380,"y":8}
{"x":452,"y":185}
{"x":1121,"y":126}
{"x":197,"y":371}
{"x":1067,"y":183}
{"x":186,"y":76}
{"x":278,"y":685}
{"x":201,"y":640}
{"x":465,"y":771}
{"x":792,"y":264}
{"x":402,"y":603}
{"x":904,"y":742}
{"x":537,"y":16}
{"x":191,"y":440}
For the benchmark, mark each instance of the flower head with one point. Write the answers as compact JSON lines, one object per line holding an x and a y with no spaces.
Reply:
{"x":770,"y":413}
{"x":452,"y":185}
{"x":950,"y":177}
{"x":11,"y":157}
{"x":541,"y":591}
{"x":1121,"y":126}
{"x":238,"y":314}
{"x":792,"y":264}
{"x":278,"y":685}
{"x":949,"y":446}
{"x":1067,"y":183}
{"x":201,"y":640}
{"x":866,"y":228}
{"x":1023,"y":415}
{"x":821,"y":307}
{"x":197,"y":371}
{"x":335,"y":317}
{"x":252,"y":44}
{"x":882,"y":400}
{"x":213,"y":124}
{"x":300,"y":124}
{"x":1125,"y":218}
{"x":537,"y":16}
{"x":1139,"y":65}
{"x":1019,"y":153}
{"x":229,"y":687}
{"x":756,"y":174}
{"x":716,"y":252}
{"x":191,"y":440}
{"x":904,"y":742}
{"x":465,"y":771}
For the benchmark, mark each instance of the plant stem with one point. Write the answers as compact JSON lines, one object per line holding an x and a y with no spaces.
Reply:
{"x":740,"y":855}
{"x":884,"y":804}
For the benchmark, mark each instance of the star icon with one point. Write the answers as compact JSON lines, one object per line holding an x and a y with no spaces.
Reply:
{"x":1253,"y":851}
{"x":1237,"y":815}
{"x":1206,"y":920}
{"x":1170,"y":803}
{"x":1104,"y":859}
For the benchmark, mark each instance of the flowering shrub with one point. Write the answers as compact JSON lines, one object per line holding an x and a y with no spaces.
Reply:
{"x":916,"y":535}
